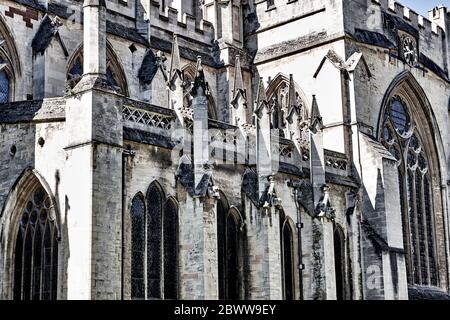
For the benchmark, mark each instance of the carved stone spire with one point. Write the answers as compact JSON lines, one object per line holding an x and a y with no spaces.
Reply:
{"x":239,"y":101}
{"x":261,"y":98}
{"x":316,"y":122}
{"x":238,"y":82}
{"x":293,"y":102}
{"x":175,"y":62}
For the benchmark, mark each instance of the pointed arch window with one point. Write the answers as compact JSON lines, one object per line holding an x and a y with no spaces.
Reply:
{"x":154,"y":246}
{"x":287,"y":257}
{"x":229,"y":239}
{"x":36,"y":251}
{"x":339,"y":261}
{"x":401,"y":137}
{"x":138,"y":248}
{"x":114,"y":72}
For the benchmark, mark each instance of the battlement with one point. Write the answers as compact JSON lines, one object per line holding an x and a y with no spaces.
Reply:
{"x":416,"y":20}
{"x":273,"y":12}
{"x":171,"y":19}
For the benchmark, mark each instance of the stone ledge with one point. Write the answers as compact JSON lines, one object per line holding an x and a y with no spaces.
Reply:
{"x":33,"y":111}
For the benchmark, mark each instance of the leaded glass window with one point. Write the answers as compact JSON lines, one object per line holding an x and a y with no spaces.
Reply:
{"x":154,"y":233}
{"x":154,"y":247}
{"x":228,"y":243}
{"x":339,"y":261}
{"x":403,"y":140}
{"x":287,"y":257}
{"x":137,"y":248}
{"x":36,"y":251}
{"x":4,"y":87}
{"x":170,"y":249}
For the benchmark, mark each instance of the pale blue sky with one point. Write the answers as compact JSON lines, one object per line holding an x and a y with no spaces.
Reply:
{"x":422,"y":6}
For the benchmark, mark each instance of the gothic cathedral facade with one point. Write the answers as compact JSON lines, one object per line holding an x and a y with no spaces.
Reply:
{"x":241,"y":149}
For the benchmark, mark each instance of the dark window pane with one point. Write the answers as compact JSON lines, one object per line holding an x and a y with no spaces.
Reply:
{"x":339,"y":260}
{"x":412,"y":223}
{"x":288,"y":261}
{"x":421,"y":230}
{"x":170,"y":250}
{"x":18,"y":266}
{"x":137,"y":247}
{"x":221,"y":249}
{"x":232,"y":259}
{"x":47,"y":263}
{"x":27,"y":257}
{"x":111,"y":78}
{"x":430,"y":235}
{"x":77,"y":68}
{"x":137,"y":288}
{"x":37,"y":245}
{"x":4,"y":87}
{"x":400,"y":116}
{"x":54,"y":265}
{"x":154,"y":225}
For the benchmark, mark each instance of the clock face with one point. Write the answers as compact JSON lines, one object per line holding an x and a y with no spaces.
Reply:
{"x":409,"y":51}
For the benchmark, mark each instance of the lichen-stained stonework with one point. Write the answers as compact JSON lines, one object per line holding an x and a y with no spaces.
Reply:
{"x":224,"y":150}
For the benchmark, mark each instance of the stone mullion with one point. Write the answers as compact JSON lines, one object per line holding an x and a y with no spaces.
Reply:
{"x":416,"y":228}
{"x":425,"y":229}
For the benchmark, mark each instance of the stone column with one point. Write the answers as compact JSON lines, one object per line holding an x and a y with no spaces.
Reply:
{"x":93,"y":174}
{"x":94,"y":41}
{"x":199,"y":229}
{"x":324,"y":281}
{"x":265,"y":245}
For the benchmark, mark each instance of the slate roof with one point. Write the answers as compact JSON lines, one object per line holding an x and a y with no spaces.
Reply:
{"x":373,"y":38}
{"x":44,"y":36}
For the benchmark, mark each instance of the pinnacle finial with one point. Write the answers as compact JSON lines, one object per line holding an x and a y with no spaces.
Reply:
{"x":199,"y":81}
{"x":292,"y":92}
{"x":238,"y":82}
{"x":175,"y":61}
{"x":316,"y":118}
{"x":261,"y":97}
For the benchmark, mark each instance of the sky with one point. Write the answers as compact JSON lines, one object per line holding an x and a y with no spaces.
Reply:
{"x":422,"y":6}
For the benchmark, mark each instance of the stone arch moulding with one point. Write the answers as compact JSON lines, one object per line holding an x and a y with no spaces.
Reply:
{"x":281,"y":79}
{"x":116,"y":66}
{"x":235,"y":212}
{"x":425,"y":117}
{"x":28,"y":181}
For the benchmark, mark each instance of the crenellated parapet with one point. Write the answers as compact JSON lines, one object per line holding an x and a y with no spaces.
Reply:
{"x":408,"y":15}
{"x":183,"y":23}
